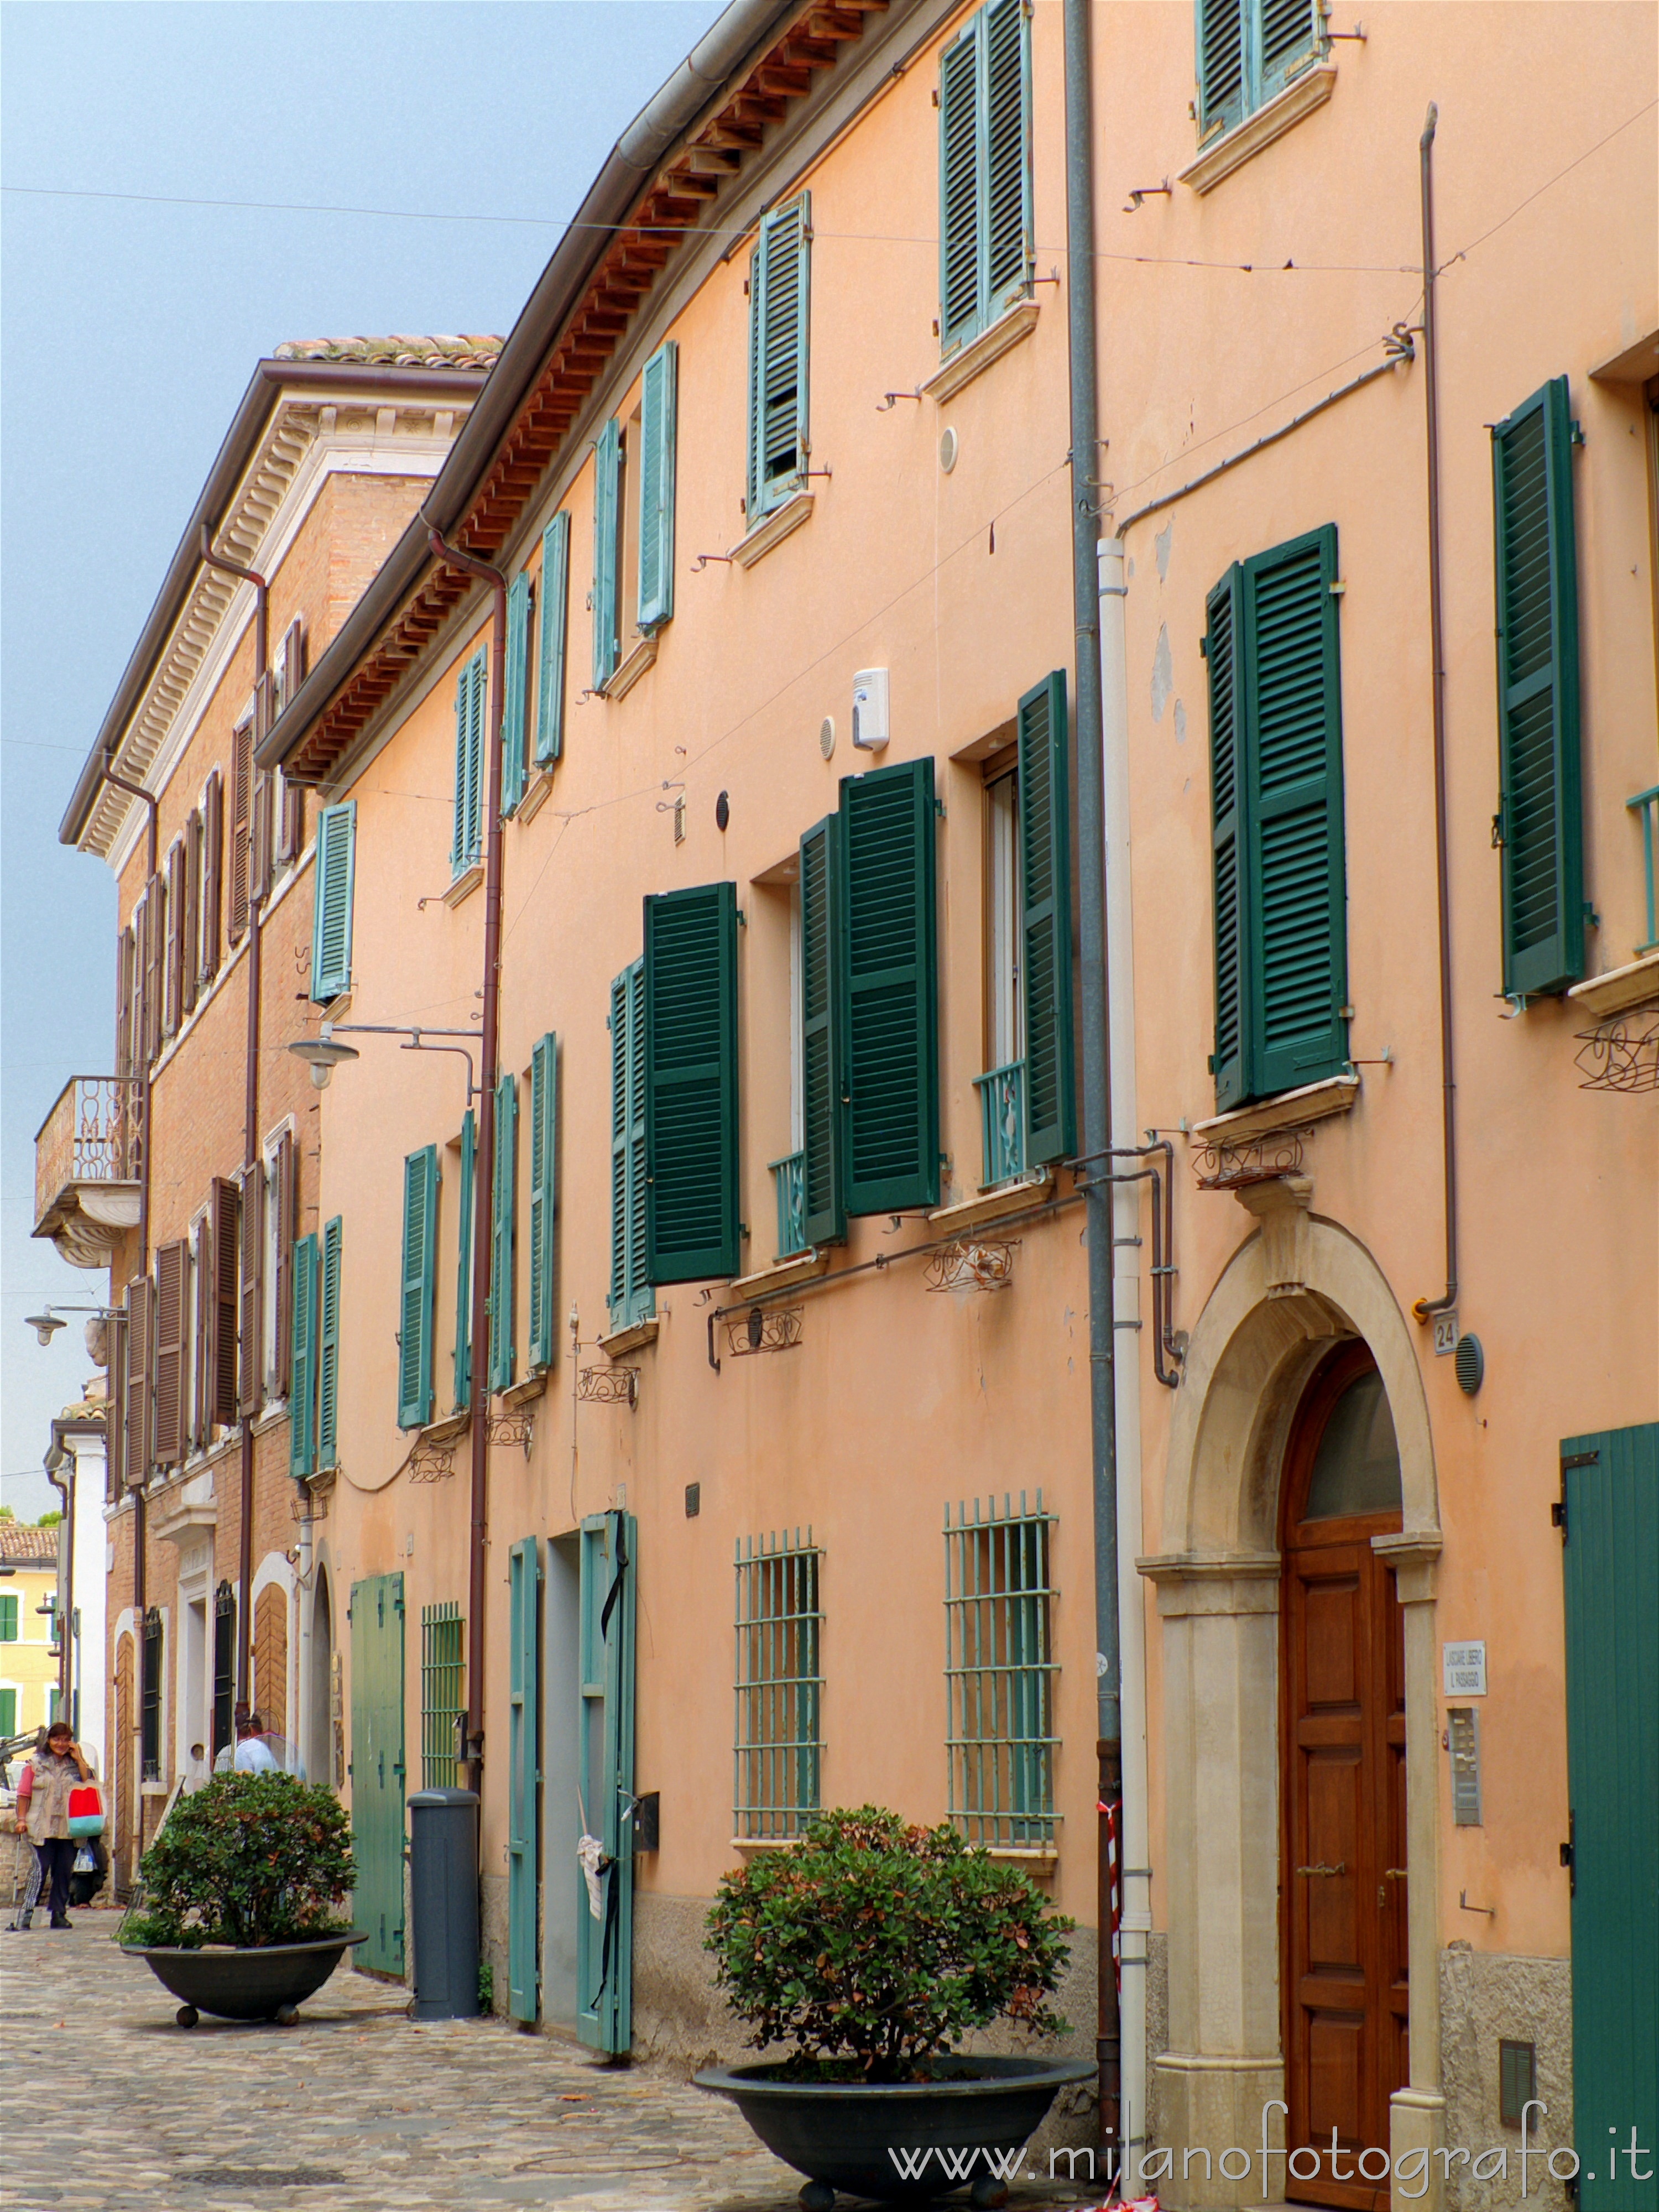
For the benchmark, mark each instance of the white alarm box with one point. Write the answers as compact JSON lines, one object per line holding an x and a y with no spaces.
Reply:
{"x":870,"y":726}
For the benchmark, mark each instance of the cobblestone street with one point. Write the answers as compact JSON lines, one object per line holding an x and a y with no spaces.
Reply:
{"x":113,"y":2108}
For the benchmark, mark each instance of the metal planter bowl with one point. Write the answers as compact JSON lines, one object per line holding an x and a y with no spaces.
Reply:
{"x":840,"y":2135}
{"x":266,"y":1984}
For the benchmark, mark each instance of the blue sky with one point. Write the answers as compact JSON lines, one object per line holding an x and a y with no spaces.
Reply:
{"x":129,"y":332}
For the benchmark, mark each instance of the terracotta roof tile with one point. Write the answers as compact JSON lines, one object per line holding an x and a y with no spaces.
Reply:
{"x":27,"y":1546}
{"x":474,"y":350}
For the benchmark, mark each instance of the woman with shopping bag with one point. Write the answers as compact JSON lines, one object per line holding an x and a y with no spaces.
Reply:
{"x":58,"y":1807}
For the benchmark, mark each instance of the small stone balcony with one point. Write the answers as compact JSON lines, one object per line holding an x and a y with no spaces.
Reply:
{"x":87,"y":1154}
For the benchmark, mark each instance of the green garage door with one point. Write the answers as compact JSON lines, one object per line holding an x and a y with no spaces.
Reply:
{"x":1610,"y":1498}
{"x":377,"y":1767}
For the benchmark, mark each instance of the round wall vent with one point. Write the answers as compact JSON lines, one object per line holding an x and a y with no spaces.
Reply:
{"x":949,"y":446}
{"x":827,"y":736}
{"x":1470,"y":1361}
{"x":722,"y":811}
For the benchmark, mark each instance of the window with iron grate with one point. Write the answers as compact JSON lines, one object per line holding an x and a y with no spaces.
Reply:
{"x":999,"y":1672}
{"x":441,"y":1701}
{"x":780,"y":1685}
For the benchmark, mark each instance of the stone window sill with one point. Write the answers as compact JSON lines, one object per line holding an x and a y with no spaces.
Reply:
{"x":1032,"y":1190}
{"x":629,"y":1340}
{"x":536,"y":797}
{"x":1291,"y":1110}
{"x":774,"y":528}
{"x":1247,"y":139}
{"x":623,"y":678}
{"x":792,"y":1268}
{"x":971,"y":361}
{"x":465,"y":884}
{"x":525,"y":1393}
{"x":1619,"y":988}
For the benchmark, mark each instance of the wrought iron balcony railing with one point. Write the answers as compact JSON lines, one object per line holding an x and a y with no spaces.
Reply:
{"x":789,"y":1182}
{"x":91,"y":1135}
{"x":1002,"y":1121}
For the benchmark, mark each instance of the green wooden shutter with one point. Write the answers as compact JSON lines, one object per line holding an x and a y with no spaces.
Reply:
{"x":515,"y":700}
{"x":958,"y":171}
{"x":1007,"y":156}
{"x":523,"y":1760}
{"x":328,"y":1346}
{"x":889,"y":984}
{"x":504,"y":1205}
{"x":466,"y":1208}
{"x":691,"y":1209}
{"x":1229,"y":1063}
{"x":302,"y":1385}
{"x":607,"y":486}
{"x":1540,"y":800}
{"x":631,"y":1297}
{"x":419,"y":1283}
{"x":1289,"y":38}
{"x":1045,"y":844}
{"x":1221,"y":65}
{"x":549,"y":675}
{"x":779,"y":323}
{"x":659,"y":408}
{"x":376,"y":1614}
{"x":466,"y":846}
{"x":543,"y":1184}
{"x":1610,"y":1564}
{"x":823,"y":1077}
{"x":1294,"y":888}
{"x":330,"y":921}
{"x":605,"y":1944}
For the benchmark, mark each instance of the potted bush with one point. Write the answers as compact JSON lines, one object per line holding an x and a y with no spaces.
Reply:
{"x":238,"y":1905}
{"x":871,"y":1950}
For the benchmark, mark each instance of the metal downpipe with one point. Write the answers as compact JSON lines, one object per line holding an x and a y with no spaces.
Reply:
{"x":1095,"y":1012}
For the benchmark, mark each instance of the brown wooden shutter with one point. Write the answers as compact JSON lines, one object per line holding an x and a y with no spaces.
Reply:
{"x":135,"y":1437}
{"x":171,"y":1274}
{"x":124,"y":1053}
{"x":213,"y":843}
{"x":252,"y":1287}
{"x":172,"y":1009}
{"x":190,"y":923}
{"x":283,"y":1198}
{"x":259,"y":874}
{"x":222,"y":1204}
{"x":201,"y":1336}
{"x":241,"y":805}
{"x":154,"y":964}
{"x":291,"y":821}
{"x":115,"y":1423}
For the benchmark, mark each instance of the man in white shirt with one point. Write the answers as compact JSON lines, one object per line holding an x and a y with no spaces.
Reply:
{"x":253,"y":1754}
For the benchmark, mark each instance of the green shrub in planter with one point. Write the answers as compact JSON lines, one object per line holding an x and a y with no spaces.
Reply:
{"x":872,"y":1947}
{"x":248,"y":1860}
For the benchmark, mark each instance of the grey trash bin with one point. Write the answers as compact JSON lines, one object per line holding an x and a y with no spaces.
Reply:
{"x":443,"y":1903}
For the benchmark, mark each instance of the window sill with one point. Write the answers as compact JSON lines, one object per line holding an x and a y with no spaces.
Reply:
{"x":774,"y":528}
{"x":792,"y":1268}
{"x":1040,"y":1860}
{"x":536,"y":797}
{"x":767,"y":1843}
{"x":1281,"y":113}
{"x":1031,"y":1189}
{"x":634,"y":1339}
{"x":1014,"y":324}
{"x":627,"y":672}
{"x":1291,"y":1110}
{"x":525,"y":1392}
{"x":1619,"y":988}
{"x":465,"y":884}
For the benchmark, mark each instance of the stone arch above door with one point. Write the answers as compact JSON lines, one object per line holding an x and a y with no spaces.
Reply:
{"x":1289,"y":1293}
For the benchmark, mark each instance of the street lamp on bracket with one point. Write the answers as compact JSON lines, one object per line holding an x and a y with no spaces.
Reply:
{"x":323,"y":1055}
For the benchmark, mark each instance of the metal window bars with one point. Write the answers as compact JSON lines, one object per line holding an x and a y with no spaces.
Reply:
{"x":149,"y":1706}
{"x":789,"y":1184}
{"x":1002,"y":1123}
{"x":442,"y":1702}
{"x":780,"y":1685}
{"x":224,"y":1669}
{"x":999,"y":1672}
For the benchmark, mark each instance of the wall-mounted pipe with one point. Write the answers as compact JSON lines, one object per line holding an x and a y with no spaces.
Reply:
{"x":250,"y":1082}
{"x":484,"y":1158}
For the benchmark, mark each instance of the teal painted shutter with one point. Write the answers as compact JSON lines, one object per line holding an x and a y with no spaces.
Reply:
{"x":658,"y":407}
{"x":330,"y":919}
{"x":466,"y":846}
{"x":515,"y":700}
{"x":1007,"y":159}
{"x":549,"y":675}
{"x":376,"y":1614}
{"x":607,"y":485}
{"x":544,"y":1183}
{"x":778,"y":321}
{"x":419,"y":1281}
{"x":604,"y":1942}
{"x":504,"y":1203}
{"x":631,"y":1298}
{"x":823,"y":1078}
{"x":889,"y":988}
{"x":958,"y":169}
{"x":464,"y":1264}
{"x":1230,"y":1062}
{"x":1221,"y":65}
{"x":1045,"y":843}
{"x":1290,"y":40}
{"x":524,"y":1761}
{"x":691,"y":1084}
{"x":1540,"y":802}
{"x":1610,"y":1564}
{"x":1294,"y":888}
{"x":302,"y":1385}
{"x":328,"y":1346}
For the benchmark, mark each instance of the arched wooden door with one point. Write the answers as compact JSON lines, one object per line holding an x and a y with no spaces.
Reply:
{"x":1342,"y":1884}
